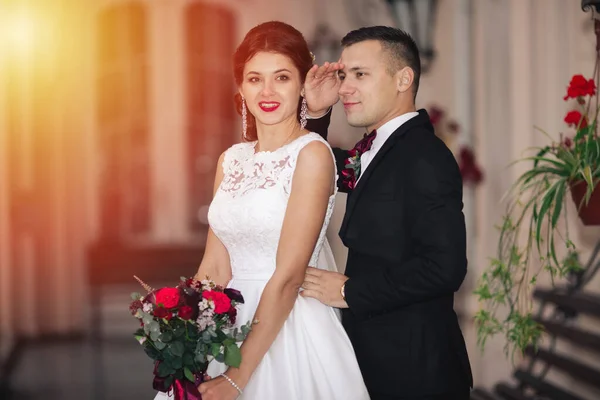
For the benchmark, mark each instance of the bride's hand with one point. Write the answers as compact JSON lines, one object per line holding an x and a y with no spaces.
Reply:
{"x":218,"y":389}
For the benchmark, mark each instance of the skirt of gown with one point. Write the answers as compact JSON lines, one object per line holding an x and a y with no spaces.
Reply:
{"x":311,"y":358}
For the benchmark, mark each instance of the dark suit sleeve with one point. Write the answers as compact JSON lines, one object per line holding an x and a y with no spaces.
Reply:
{"x":319,"y":125}
{"x":437,"y":235}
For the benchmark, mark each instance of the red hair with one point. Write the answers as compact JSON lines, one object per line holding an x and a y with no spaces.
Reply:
{"x":273,"y":37}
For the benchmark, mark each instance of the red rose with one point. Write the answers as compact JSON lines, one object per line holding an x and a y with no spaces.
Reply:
{"x":579,"y":87}
{"x":222,"y":302}
{"x":161,"y":312}
{"x":185,"y":312}
{"x":168,"y":297}
{"x":573,"y":118}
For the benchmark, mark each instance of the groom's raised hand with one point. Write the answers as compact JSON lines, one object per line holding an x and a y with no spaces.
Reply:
{"x":324,"y":286}
{"x":321,"y":88}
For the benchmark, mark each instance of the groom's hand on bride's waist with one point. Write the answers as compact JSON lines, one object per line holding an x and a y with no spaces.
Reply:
{"x":325,"y":286}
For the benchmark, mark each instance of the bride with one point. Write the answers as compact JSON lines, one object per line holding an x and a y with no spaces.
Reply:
{"x":274,"y":195}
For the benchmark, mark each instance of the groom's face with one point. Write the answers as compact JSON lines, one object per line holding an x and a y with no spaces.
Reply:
{"x":368,"y":90}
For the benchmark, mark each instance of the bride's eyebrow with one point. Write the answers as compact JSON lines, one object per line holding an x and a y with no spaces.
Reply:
{"x":274,"y":72}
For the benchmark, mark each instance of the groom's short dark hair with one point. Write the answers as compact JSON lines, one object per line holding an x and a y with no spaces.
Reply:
{"x":401,"y":47}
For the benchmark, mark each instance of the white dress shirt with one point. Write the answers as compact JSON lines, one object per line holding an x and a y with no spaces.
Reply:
{"x":383,"y":134}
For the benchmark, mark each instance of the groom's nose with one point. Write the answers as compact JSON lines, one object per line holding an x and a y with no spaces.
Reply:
{"x":346,"y":88}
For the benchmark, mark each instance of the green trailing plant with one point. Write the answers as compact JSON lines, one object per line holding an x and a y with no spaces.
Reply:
{"x":531,"y":238}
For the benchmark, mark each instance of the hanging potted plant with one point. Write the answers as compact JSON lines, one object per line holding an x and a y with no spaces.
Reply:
{"x":585,"y":145}
{"x":531,"y":237}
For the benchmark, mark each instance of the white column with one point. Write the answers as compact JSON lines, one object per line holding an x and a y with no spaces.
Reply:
{"x":463,"y":98}
{"x":491,"y":126}
{"x":167,"y":120}
{"x":521,"y":75}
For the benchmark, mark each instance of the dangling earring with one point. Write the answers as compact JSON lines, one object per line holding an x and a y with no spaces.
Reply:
{"x":244,"y":122}
{"x":303,"y":112}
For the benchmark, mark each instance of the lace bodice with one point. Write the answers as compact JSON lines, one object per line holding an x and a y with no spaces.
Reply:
{"x":249,"y":206}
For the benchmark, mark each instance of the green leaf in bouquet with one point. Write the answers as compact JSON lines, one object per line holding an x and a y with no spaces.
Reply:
{"x":189,"y":375}
{"x":206,"y":337}
{"x":136,"y":296}
{"x":169,"y":381}
{"x":215,"y":349}
{"x":220,"y":358}
{"x":152,"y":353}
{"x":166,"y":337}
{"x":188,"y":360}
{"x":200,"y":358}
{"x":176,"y":349}
{"x":179,"y":330}
{"x":164,"y":370}
{"x":159,"y":344}
{"x":233,"y":355}
{"x":153,"y":326}
{"x":177,"y":362}
{"x":140,"y":338}
{"x":154,"y":335}
{"x":146,"y":318}
{"x":246,"y":329}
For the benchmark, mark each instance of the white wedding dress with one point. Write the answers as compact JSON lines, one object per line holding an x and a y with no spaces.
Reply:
{"x":312,"y":357}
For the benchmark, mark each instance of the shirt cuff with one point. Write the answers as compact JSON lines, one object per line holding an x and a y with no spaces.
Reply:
{"x":308,"y":116}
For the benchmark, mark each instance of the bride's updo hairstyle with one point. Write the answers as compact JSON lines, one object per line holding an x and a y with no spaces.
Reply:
{"x":272,"y":37}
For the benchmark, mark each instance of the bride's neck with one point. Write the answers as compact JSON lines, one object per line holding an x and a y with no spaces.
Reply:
{"x":272,"y":137}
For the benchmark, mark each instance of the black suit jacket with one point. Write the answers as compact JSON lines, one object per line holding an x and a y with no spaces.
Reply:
{"x":405,"y":233}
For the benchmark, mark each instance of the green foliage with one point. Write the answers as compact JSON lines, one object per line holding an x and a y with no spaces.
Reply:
{"x":530,"y":236}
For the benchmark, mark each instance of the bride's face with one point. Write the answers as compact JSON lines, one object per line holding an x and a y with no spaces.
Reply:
{"x":271,"y":86}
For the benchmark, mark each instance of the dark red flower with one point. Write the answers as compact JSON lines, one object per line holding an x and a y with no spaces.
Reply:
{"x":161,"y":312}
{"x":135,"y":306}
{"x":575,"y":119}
{"x":234,"y":295}
{"x":185,"y":312}
{"x":435,"y":115}
{"x":232,"y":314}
{"x":579,"y":87}
{"x":469,"y":170}
{"x":222,"y":302}
{"x":168,"y":297}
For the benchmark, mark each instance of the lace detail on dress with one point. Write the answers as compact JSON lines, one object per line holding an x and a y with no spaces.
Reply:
{"x":249,"y":207}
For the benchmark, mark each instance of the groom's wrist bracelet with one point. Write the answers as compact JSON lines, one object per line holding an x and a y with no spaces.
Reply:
{"x":232,"y":383}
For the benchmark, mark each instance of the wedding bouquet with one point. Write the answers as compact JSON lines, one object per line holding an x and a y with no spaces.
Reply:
{"x":183,"y":328}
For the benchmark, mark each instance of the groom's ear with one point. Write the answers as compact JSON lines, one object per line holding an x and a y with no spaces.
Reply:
{"x":404,"y":79}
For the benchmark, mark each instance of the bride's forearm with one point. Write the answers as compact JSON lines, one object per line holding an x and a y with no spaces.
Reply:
{"x":221,"y":276}
{"x":275,"y":305}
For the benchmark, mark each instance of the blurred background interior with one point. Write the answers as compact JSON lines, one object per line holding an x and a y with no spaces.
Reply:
{"x":113,"y":114}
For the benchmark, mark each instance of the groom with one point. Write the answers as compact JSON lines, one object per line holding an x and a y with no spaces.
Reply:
{"x":403,"y":226}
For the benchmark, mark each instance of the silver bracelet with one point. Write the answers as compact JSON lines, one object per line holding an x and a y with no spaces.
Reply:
{"x":232,"y":383}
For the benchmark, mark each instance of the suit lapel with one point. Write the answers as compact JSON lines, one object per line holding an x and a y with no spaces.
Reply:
{"x":355,"y":195}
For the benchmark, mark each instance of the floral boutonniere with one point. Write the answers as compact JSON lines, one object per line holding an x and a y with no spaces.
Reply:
{"x":351,"y":170}
{"x":352,"y":167}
